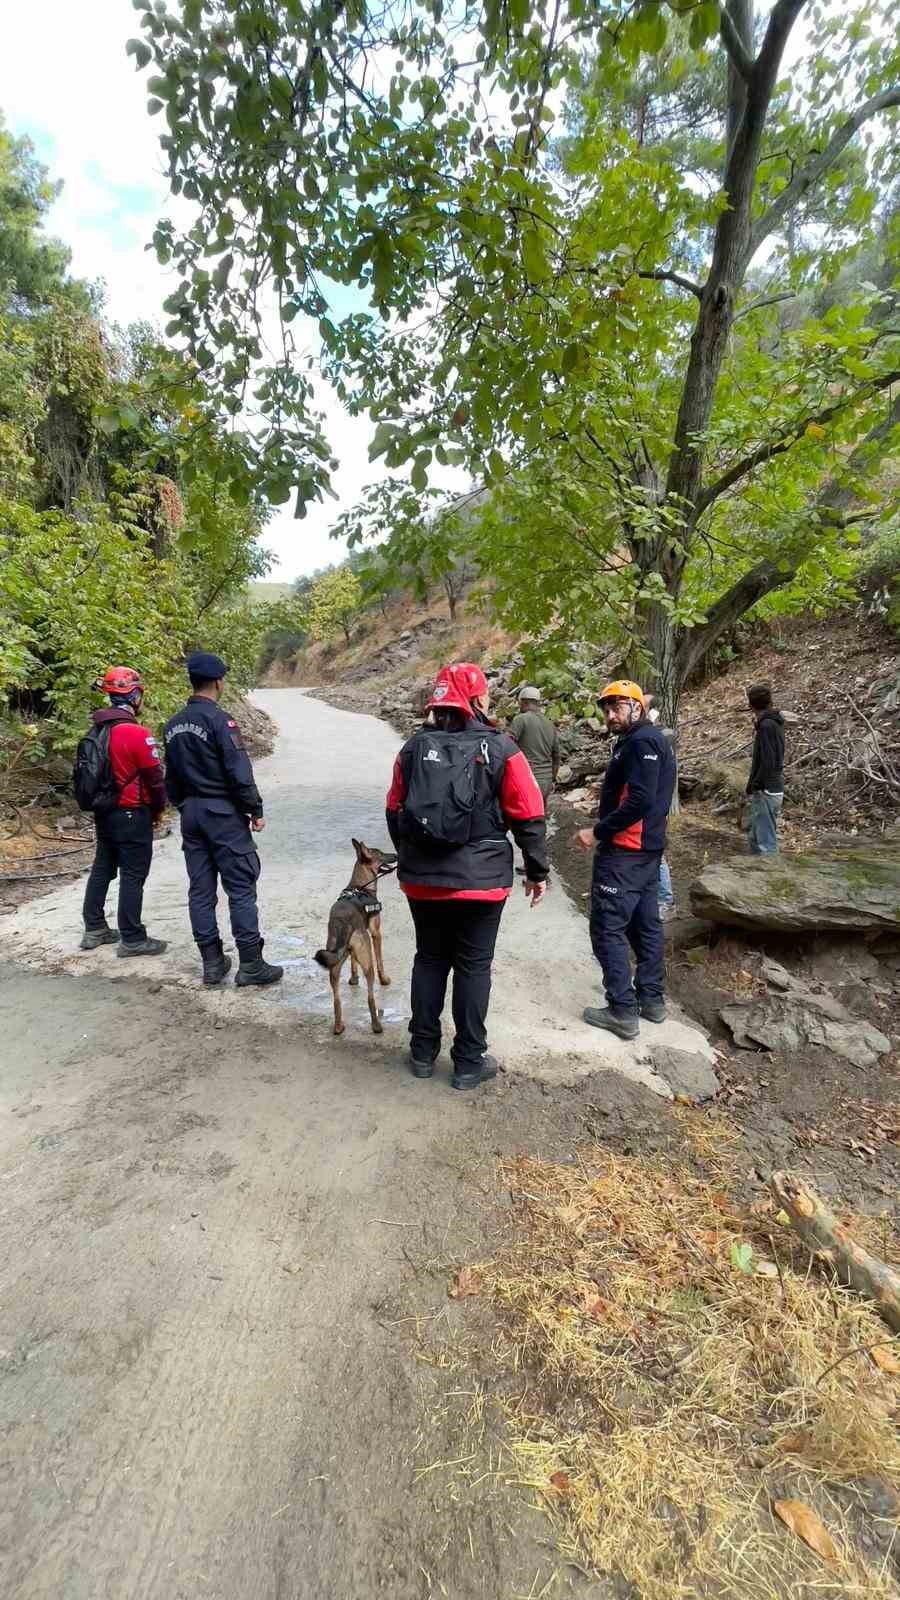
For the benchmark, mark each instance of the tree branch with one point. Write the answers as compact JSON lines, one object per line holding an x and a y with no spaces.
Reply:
{"x":768,"y":300}
{"x":738,"y":54}
{"x":819,"y":164}
{"x":778,"y":447}
{"x":662,"y":275}
{"x":831,"y":507}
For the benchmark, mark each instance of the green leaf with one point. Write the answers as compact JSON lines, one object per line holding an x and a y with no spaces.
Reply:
{"x":742,"y":1256}
{"x":141,"y":51}
{"x":534,"y":257}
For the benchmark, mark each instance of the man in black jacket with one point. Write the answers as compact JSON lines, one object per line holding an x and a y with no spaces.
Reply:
{"x":628,"y":839}
{"x":210,"y":779}
{"x":766,"y":783}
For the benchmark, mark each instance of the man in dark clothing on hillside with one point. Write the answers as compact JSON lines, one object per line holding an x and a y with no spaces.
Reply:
{"x":766,"y":783}
{"x":210,"y":780}
{"x":630,"y":837}
{"x":537,"y":738}
{"x":125,"y":832}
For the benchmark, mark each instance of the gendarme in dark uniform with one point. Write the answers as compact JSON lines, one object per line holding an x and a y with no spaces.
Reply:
{"x":210,"y":779}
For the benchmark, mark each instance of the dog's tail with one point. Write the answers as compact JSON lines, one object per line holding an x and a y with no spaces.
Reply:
{"x":330,"y":958}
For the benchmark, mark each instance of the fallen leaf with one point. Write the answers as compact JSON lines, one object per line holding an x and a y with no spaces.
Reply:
{"x":802,"y":1520}
{"x":561,"y":1482}
{"x":591,"y":1302}
{"x":466,"y":1282}
{"x":783,"y":1218}
{"x":792,"y":1444}
{"x":765,"y":1269}
{"x":885,"y":1358}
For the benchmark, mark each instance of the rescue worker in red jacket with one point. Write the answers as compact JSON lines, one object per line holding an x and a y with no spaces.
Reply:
{"x":125,"y":833}
{"x":459,"y":786}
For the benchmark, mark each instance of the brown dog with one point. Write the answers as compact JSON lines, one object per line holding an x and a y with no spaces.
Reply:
{"x":354,"y":930}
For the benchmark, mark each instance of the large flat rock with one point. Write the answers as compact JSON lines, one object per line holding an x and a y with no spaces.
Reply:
{"x":854,"y":887}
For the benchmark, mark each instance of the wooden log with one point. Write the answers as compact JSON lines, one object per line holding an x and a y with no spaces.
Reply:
{"x":829,"y":1240}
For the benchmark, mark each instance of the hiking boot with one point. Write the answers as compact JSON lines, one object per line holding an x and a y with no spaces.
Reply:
{"x":144,"y":947}
{"x":252,"y":969}
{"x":92,"y":938}
{"x":421,"y":1066}
{"x":216,"y":964}
{"x":653,"y":1010}
{"x":624,"y":1024}
{"x":472,"y":1078}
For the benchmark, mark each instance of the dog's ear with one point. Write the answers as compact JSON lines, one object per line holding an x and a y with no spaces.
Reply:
{"x":357,"y":845}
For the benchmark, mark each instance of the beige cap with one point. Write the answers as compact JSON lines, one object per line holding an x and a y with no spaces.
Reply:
{"x":529,"y":692}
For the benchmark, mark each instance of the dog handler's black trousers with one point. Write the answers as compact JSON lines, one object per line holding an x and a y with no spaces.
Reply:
{"x":625,"y":911}
{"x":455,"y":936}
{"x":218,"y":845}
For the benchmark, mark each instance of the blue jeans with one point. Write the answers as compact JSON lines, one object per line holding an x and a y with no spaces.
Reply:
{"x":666,"y":892}
{"x":765,"y":809}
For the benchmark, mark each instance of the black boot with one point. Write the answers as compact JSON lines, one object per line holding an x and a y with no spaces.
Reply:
{"x":215,"y":963}
{"x":252,"y":969}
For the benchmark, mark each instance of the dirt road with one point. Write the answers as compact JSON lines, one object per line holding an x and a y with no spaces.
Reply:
{"x":217,"y":1224}
{"x":325,"y":782}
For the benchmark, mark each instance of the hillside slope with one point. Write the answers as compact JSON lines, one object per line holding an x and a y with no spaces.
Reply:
{"x":837,"y":680}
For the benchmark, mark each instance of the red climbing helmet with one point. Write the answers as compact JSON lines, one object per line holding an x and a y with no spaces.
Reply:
{"x":458,"y":686}
{"x":120,"y":680}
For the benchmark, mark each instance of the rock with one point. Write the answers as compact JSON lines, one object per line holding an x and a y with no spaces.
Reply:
{"x":786,"y":1022}
{"x":564,"y":775}
{"x":726,"y":780}
{"x":686,"y":1074}
{"x":833,"y":889}
{"x":574,"y":795}
{"x":778,"y":977}
{"x":843,"y":961}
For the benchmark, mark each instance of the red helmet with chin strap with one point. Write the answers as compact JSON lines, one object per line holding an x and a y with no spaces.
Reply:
{"x":120,"y":680}
{"x":457,"y":686}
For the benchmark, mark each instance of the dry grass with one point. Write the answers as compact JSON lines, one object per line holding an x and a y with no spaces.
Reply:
{"x":663,"y":1398}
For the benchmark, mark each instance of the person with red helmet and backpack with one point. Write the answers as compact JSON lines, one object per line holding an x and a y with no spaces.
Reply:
{"x":118,"y":777}
{"x":459,"y":787}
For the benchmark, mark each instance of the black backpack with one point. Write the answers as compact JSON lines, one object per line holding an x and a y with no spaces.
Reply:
{"x":93,"y":783}
{"x":451,"y":776}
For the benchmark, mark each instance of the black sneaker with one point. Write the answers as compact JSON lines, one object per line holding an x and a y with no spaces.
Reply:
{"x":421,"y":1066}
{"x":653,"y":1010}
{"x":92,"y":938}
{"x":146,"y":947}
{"x":624,"y":1024}
{"x":473,"y":1078}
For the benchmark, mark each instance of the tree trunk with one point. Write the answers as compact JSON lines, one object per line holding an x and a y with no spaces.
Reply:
{"x":828,"y":1240}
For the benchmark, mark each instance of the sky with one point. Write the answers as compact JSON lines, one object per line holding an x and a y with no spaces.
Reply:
{"x":66,"y":82}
